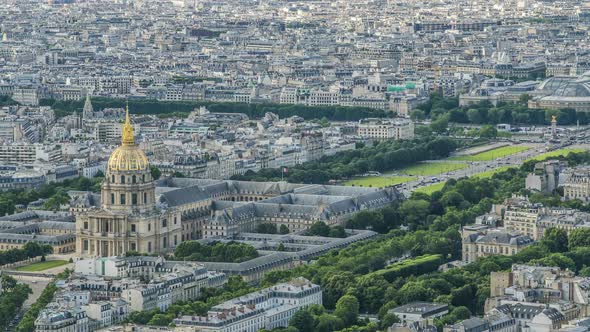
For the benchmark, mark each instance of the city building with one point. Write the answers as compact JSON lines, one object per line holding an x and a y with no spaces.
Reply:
{"x":482,"y":241}
{"x":545,"y":176}
{"x":269,"y":308}
{"x":129,"y":218}
{"x":577,"y":185}
{"x":398,"y":129}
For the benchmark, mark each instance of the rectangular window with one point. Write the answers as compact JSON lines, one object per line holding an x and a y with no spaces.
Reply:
{"x":164,"y":242}
{"x":149,"y":227}
{"x":145,"y":198}
{"x":164,"y":223}
{"x":134,"y":199}
{"x":175,"y":239}
{"x":133,"y":248}
{"x":133,"y":228}
{"x":112,"y":198}
{"x":122,"y":199}
{"x":86,"y":225}
{"x":149,"y":247}
{"x":85,"y":244}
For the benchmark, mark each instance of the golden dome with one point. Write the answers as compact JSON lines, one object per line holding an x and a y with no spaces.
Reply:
{"x":128,"y":157}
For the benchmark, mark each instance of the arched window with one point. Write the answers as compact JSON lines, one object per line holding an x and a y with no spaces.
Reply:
{"x":133,"y":179}
{"x":122,"y":178}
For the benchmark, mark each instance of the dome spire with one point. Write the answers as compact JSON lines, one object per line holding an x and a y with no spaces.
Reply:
{"x":127,"y":137}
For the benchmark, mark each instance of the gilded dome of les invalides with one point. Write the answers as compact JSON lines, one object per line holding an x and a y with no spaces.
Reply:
{"x":128,"y":157}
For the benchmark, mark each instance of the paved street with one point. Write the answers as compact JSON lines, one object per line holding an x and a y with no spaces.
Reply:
{"x":482,"y":166}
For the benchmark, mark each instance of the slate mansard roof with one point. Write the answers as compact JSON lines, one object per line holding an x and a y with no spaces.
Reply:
{"x":300,"y":201}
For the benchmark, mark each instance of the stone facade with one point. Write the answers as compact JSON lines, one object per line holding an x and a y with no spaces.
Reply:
{"x":129,"y":219}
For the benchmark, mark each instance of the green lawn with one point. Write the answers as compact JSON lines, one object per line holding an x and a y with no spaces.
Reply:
{"x":41,"y":266}
{"x":490,"y":173}
{"x":378,"y":181}
{"x":428,"y":190}
{"x":427,"y":169}
{"x":493,"y":154}
{"x":555,"y":153}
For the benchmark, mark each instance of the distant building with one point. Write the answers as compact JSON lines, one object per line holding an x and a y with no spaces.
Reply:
{"x":577,"y":185}
{"x":563,"y":92}
{"x":545,"y":176}
{"x":398,"y":129}
{"x":482,"y":241}
{"x":495,"y":321}
{"x":422,"y":313}
{"x":269,"y":308}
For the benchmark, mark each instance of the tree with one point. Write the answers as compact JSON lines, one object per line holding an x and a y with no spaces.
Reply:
{"x":284,"y":229}
{"x":414,"y":211}
{"x":461,"y":313}
{"x":335,"y":286}
{"x":160,"y":320}
{"x":281,"y":247}
{"x":555,"y":240}
{"x":347,"y":308}
{"x":414,"y":291}
{"x":462,"y":296}
{"x":474,"y":116}
{"x":388,"y":320}
{"x":337,"y":231}
{"x":452,"y":198}
{"x":488,"y":131}
{"x":440,"y":125}
{"x":584,"y":272}
{"x":155,"y":172}
{"x":417,"y":115}
{"x":579,"y":237}
{"x":328,"y":323}
{"x":302,"y":320}
{"x":266,"y":228}
{"x":524,"y":99}
{"x":319,"y":228}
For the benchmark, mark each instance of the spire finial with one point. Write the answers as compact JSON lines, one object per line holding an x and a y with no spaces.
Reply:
{"x":127,"y":137}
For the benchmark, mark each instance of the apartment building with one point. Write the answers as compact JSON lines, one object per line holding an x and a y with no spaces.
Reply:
{"x":483,"y":241}
{"x":269,"y":308}
{"x":381,"y":129}
{"x":577,"y":185}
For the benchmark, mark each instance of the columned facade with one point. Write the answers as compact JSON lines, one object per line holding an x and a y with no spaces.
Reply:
{"x":128,"y":219}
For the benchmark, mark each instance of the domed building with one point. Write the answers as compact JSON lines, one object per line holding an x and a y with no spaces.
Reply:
{"x":128,"y":219}
{"x":563,"y":92}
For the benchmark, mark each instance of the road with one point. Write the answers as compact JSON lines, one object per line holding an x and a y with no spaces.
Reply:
{"x":481,"y":166}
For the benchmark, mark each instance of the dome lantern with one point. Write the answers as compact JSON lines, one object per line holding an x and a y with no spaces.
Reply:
{"x":127,"y":136}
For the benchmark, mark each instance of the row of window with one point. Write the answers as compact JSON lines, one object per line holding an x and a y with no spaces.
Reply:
{"x":133,"y":245}
{"x":134,"y":226}
{"x":133,"y":179}
{"x":123,"y":199}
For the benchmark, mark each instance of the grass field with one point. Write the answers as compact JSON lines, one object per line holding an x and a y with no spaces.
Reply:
{"x":493,"y":154}
{"x":490,"y":173}
{"x":41,"y":266}
{"x":428,"y":190}
{"x":558,"y":152}
{"x":378,"y":181}
{"x":427,"y":169}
